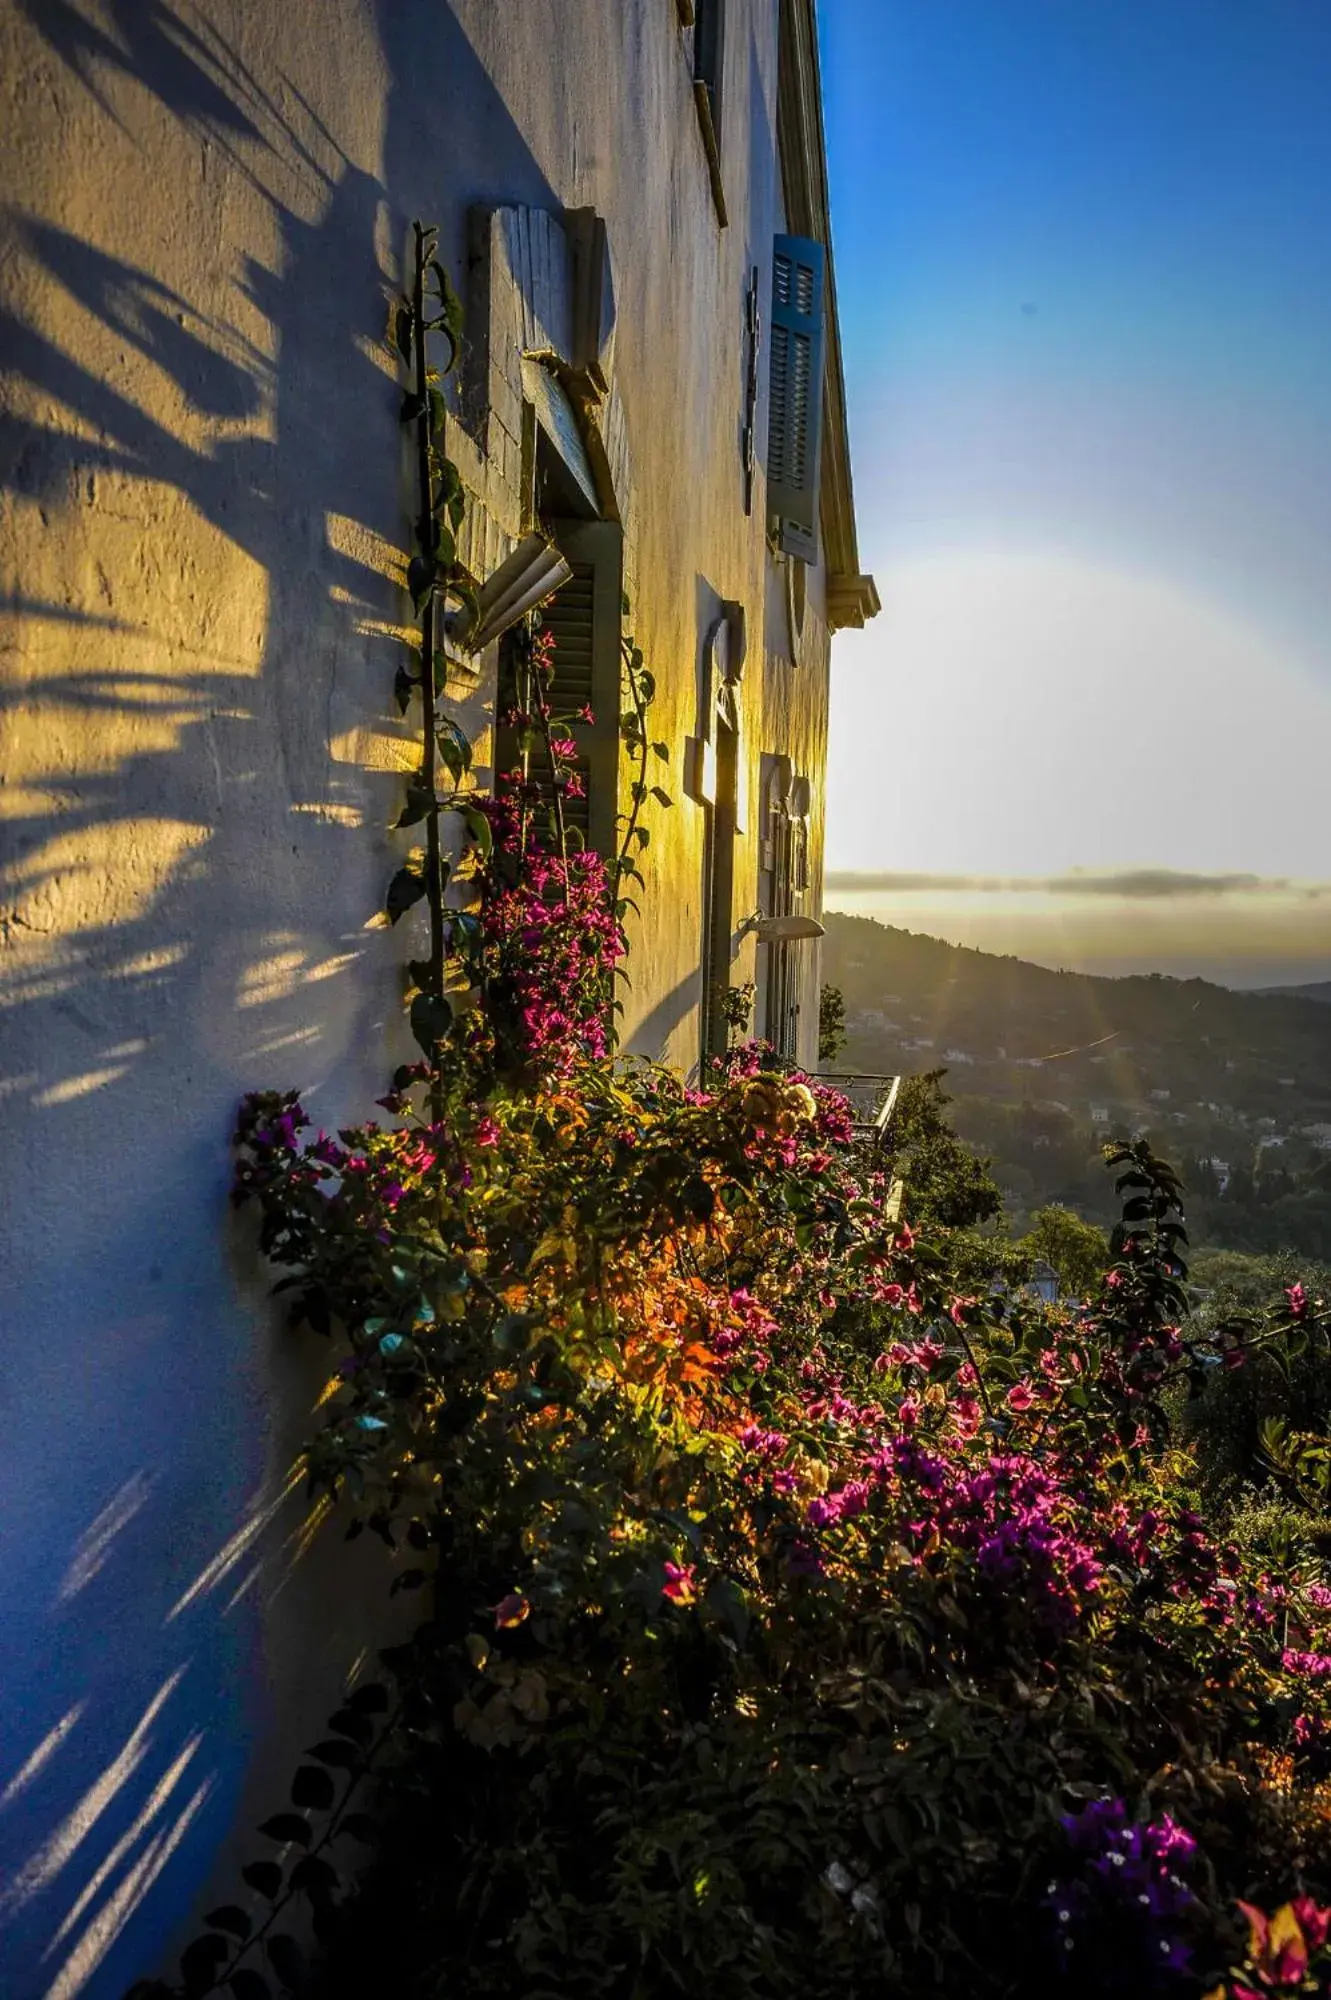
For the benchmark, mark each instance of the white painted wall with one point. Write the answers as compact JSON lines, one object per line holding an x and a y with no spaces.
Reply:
{"x":201,"y":526}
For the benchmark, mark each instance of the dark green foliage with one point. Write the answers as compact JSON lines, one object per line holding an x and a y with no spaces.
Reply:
{"x":950,"y":1187}
{"x":831,"y":1024}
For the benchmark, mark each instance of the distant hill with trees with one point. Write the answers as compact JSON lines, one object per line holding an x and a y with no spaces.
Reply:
{"x":1043,"y":1067}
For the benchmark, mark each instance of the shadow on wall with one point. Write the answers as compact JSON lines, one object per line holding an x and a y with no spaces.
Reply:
{"x":198,"y":765}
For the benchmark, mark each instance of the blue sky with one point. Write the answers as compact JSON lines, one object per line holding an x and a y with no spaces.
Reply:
{"x":1083,"y":255}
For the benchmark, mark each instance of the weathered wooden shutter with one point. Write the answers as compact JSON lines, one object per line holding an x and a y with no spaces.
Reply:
{"x":795,"y":415}
{"x":584,"y":620}
{"x":568,"y":617}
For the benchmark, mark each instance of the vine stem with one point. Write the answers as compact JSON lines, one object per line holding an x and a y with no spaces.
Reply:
{"x":337,"y":1814}
{"x":640,"y":782}
{"x":427,"y":536}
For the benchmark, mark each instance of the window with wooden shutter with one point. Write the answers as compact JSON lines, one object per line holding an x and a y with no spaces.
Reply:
{"x":795,"y":412}
{"x":583,"y":618}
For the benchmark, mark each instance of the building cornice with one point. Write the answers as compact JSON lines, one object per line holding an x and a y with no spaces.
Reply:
{"x":803,"y":153}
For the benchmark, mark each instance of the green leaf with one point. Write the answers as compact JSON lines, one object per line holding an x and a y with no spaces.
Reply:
{"x":421,"y":573}
{"x":312,"y":1788}
{"x":314,"y":1877}
{"x":641,"y":835}
{"x":431,"y":1021}
{"x":662,"y":798}
{"x":438,"y":407}
{"x":287,"y":1827}
{"x":201,"y":1961}
{"x":662,"y":751}
{"x":230,"y":1918}
{"x":419,"y":802}
{"x":287,"y":1960}
{"x":449,"y":300}
{"x":265,"y":1877}
{"x":402,"y":331}
{"x":405,"y":890}
{"x":478,"y":826}
{"x":449,"y":488}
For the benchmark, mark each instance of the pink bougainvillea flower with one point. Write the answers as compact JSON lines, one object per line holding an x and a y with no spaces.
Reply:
{"x":1313,"y":1921}
{"x":486,"y":1132}
{"x":1298,"y":1300}
{"x":956,"y":1312}
{"x":966,"y":1415}
{"x":678,"y":1586}
{"x":1277,"y":1948}
{"x":511,"y":1610}
{"x":1019,"y":1396}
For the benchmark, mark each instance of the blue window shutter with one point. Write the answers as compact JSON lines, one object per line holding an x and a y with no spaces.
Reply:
{"x":795,"y":417}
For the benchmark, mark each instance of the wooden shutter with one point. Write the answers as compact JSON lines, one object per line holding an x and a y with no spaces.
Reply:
{"x":568,"y":616}
{"x":584,"y":619}
{"x":795,"y":415}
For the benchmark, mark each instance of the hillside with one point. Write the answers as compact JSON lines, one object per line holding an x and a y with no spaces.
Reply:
{"x":1044,"y":1066}
{"x":1320,"y":990}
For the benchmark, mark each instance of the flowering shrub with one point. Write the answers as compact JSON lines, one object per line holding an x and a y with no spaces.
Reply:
{"x":810,"y":1612}
{"x":801,"y":1623}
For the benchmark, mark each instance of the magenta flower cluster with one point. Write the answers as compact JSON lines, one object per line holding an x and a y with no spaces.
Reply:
{"x":550,"y":944}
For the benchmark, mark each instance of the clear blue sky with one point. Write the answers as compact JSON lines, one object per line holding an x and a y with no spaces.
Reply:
{"x":1084,"y":260}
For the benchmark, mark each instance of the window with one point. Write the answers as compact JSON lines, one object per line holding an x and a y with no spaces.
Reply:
{"x":724,"y":805}
{"x":584,"y":620}
{"x":784,"y":857}
{"x":795,"y":409}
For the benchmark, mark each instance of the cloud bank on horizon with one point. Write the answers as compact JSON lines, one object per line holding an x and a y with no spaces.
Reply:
{"x":1130,"y":884}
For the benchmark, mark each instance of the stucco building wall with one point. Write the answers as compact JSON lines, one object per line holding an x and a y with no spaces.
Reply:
{"x":202,"y":505}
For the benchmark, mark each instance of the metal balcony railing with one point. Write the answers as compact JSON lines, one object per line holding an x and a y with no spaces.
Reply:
{"x":873,"y":1098}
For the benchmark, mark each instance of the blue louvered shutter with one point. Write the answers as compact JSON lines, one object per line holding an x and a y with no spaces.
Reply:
{"x":795,"y":415}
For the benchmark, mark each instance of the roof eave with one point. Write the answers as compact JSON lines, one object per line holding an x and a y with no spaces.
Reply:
{"x":802,"y":149}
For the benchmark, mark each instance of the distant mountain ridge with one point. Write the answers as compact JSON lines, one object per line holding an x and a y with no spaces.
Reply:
{"x":1045,"y":1066}
{"x":1319,"y":990}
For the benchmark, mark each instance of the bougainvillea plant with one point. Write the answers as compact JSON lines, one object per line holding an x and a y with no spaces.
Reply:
{"x":806,"y":1612}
